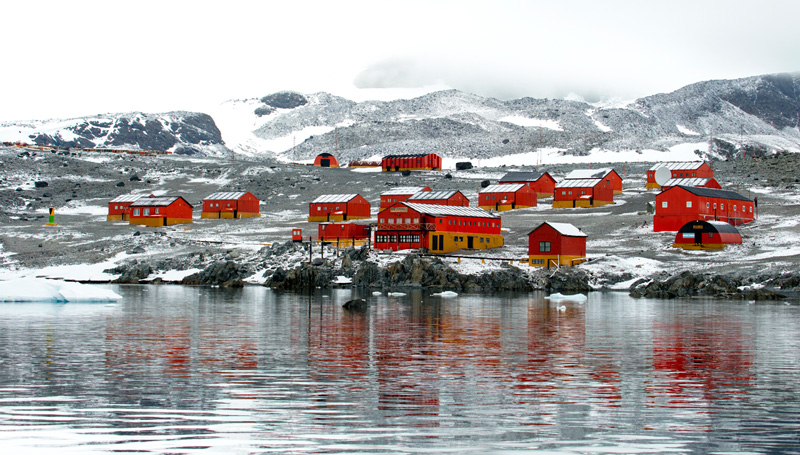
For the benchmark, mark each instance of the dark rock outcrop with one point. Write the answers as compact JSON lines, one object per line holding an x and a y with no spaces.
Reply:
{"x":222,"y":273}
{"x":691,"y":284}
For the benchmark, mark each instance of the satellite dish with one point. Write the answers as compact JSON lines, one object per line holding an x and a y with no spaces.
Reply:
{"x":662,"y":176}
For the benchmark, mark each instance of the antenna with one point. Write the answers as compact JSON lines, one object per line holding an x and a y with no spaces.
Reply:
{"x":662,"y":175}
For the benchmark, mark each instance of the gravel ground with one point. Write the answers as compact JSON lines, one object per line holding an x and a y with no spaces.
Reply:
{"x":621,"y":241}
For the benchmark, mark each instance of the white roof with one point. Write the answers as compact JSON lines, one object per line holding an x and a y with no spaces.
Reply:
{"x":504,"y":188}
{"x":577,"y":183}
{"x":334,"y":198}
{"x":691,"y":181}
{"x":427,"y":195}
{"x":679,"y":166}
{"x":127,"y":198}
{"x":589,"y":173}
{"x":450,"y":210}
{"x":225,"y":196}
{"x":402,"y":190}
{"x":566,"y":229}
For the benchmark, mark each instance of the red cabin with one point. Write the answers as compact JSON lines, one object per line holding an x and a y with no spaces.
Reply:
{"x":679,"y":170}
{"x":160,"y":211}
{"x":344,"y":234}
{"x":239,"y":204}
{"x":440,"y":229}
{"x":556,"y":244}
{"x":297,"y":235}
{"x":583,"y":193}
{"x":442,"y":197}
{"x":420,"y":162}
{"x":119,"y":207}
{"x":506,"y":197}
{"x":681,"y":204}
{"x":706,"y":235}
{"x":400,"y":194}
{"x":698,"y":182}
{"x":326,"y":160}
{"x":338,"y":207}
{"x":543,"y":184}
{"x":607,"y":174}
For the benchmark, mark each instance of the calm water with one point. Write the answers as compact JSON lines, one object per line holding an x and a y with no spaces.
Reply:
{"x":175,"y":369}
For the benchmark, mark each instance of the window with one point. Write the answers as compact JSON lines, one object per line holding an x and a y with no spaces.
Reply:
{"x":408,"y":220}
{"x":537,"y":261}
{"x":563,"y":192}
{"x":734,"y":208}
{"x":135,"y":212}
{"x":707,"y":204}
{"x":688,"y":204}
{"x":145,"y":212}
{"x":715,"y":206}
{"x":319,"y":208}
{"x":722,"y":206}
{"x":664,"y":205}
{"x":391,"y":220}
{"x":544,"y":247}
{"x":751,"y":209}
{"x":156,"y":210}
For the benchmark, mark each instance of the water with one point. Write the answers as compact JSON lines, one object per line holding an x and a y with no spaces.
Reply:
{"x":175,"y":369}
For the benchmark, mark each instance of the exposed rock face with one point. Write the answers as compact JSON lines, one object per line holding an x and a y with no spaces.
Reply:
{"x":223,"y":273}
{"x":132,"y":272}
{"x":690,"y":284}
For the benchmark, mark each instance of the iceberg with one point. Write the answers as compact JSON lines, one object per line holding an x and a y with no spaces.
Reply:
{"x":572,"y":297}
{"x":446,"y":294}
{"x":44,"y":290}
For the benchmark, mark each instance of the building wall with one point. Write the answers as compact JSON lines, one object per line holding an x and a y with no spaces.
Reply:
{"x":602,"y":194}
{"x":451,"y":232}
{"x":399,"y":164}
{"x":703,"y":171}
{"x":677,"y":206}
{"x":564,"y":250}
{"x":176,"y":213}
{"x":356,"y":208}
{"x":524,"y":198}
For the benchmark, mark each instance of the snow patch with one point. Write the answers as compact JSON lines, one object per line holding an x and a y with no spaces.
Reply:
{"x":533,"y":122}
{"x":43,"y":290}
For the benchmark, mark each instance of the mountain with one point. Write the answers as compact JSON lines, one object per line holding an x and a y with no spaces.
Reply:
{"x":186,"y":133}
{"x":719,"y":118}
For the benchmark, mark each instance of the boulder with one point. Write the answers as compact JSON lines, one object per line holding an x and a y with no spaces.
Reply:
{"x":356,"y":305}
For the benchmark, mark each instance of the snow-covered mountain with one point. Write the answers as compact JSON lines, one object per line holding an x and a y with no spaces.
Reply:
{"x":717,"y":118}
{"x":186,"y":133}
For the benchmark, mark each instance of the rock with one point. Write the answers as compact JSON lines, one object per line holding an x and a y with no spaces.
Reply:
{"x":41,"y":184}
{"x":132,"y":272}
{"x":463,"y":165}
{"x":356,"y":305}
{"x":485,"y":183}
{"x":222,"y":273}
{"x":134,"y":178}
{"x":120,"y":184}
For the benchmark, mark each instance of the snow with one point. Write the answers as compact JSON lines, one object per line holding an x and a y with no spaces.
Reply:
{"x":78,"y":272}
{"x":558,"y":297}
{"x":602,"y":127}
{"x":533,"y":122}
{"x":687,"y":131}
{"x":43,"y":290}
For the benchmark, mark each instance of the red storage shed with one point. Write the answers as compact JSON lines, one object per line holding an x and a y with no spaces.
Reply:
{"x":338,"y":207}
{"x":506,"y":197}
{"x":326,"y":160}
{"x":706,"y":235}
{"x":680,"y":169}
{"x":583,"y":193}
{"x":400,"y":194}
{"x":609,"y":175}
{"x":440,"y":229}
{"x":344,"y":234}
{"x":160,"y":211}
{"x":230,"y":204}
{"x":556,"y":244}
{"x":419,"y":162}
{"x":681,"y":204}
{"x":543,"y":184}
{"x":453,"y":198}
{"x":119,"y":207}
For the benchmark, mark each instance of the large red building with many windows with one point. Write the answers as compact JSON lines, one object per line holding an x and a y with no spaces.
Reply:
{"x":418,"y":162}
{"x":681,"y":204}
{"x":230,"y":204}
{"x":160,"y":211}
{"x":437,"y":228}
{"x":506,"y":197}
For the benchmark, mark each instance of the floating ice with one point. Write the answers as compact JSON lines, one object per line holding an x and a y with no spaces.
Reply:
{"x":43,"y":290}
{"x":376,"y":293}
{"x":572,"y":298}
{"x":396,"y":294}
{"x":446,"y":294}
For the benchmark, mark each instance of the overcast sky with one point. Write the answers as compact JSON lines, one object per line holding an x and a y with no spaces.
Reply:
{"x":74,"y":58}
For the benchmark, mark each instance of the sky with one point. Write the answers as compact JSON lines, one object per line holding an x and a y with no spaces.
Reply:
{"x":65,"y":59}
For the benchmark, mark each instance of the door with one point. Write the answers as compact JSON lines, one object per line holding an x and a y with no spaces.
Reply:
{"x":470,"y":242}
{"x":435,"y":245}
{"x":325,"y":163}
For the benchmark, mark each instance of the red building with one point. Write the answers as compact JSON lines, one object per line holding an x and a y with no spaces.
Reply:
{"x":400,"y":194}
{"x":160,"y":211}
{"x":420,"y":162}
{"x":607,"y":174}
{"x":338,"y":207}
{"x":440,"y":229}
{"x":506,"y":197}
{"x":556,"y":244}
{"x":326,"y":160}
{"x":543,"y":184}
{"x":681,"y":169}
{"x":681,"y":204}
{"x":344,"y":234}
{"x":441,"y":197}
{"x":699,"y":182}
{"x":706,"y":235}
{"x":364,"y":164}
{"x":119,"y":207}
{"x":238,"y":204}
{"x":583,"y":193}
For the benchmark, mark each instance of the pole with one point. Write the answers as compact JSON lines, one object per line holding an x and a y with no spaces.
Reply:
{"x":310,"y":249}
{"x":51,"y":218}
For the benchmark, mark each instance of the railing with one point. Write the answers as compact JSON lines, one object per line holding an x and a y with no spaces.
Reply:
{"x":407,"y":227}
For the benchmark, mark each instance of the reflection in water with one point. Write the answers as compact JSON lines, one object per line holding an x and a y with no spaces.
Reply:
{"x":180,"y":370}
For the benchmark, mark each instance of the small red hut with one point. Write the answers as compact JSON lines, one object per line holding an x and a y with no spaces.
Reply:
{"x":338,"y":207}
{"x":609,"y":175}
{"x":238,"y":204}
{"x":326,"y":160}
{"x":344,"y":234}
{"x":583,"y":193}
{"x":681,"y":169}
{"x":411,"y":162}
{"x":506,"y":197}
{"x":160,"y":211}
{"x":556,"y":244}
{"x":681,"y":204}
{"x":119,"y":207}
{"x":706,"y":235}
{"x":453,"y":198}
{"x":543,"y":184}
{"x":400,"y":194}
